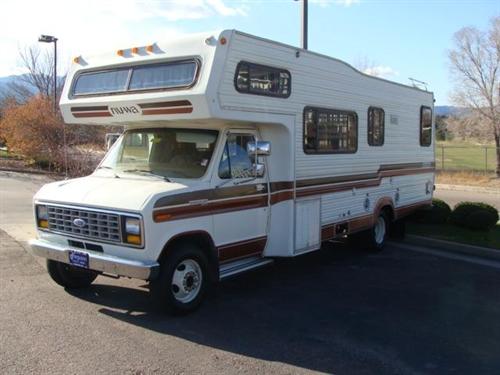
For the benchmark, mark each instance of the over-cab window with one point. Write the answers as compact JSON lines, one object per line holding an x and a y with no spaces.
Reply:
{"x":330,"y":131}
{"x":176,"y":74}
{"x":425,"y":126}
{"x":376,"y":125}
{"x":262,"y":80}
{"x":235,"y":161}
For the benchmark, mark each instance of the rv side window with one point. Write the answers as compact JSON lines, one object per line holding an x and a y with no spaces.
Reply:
{"x":376,"y":125}
{"x":328,"y":131}
{"x":262,"y":80}
{"x":235,"y":161}
{"x":425,"y":126}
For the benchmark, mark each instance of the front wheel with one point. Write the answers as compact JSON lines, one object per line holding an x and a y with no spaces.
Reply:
{"x":183,"y":280}
{"x":69,"y":276}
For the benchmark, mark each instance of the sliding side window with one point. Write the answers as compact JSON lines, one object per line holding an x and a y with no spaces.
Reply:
{"x":376,"y":125}
{"x":425,"y":126}
{"x":262,"y":80}
{"x":235,"y":161}
{"x":330,"y":131}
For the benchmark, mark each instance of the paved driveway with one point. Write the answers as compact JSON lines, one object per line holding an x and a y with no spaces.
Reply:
{"x":407,"y":310}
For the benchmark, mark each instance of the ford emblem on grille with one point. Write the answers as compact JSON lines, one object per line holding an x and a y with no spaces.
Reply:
{"x":80,"y":223}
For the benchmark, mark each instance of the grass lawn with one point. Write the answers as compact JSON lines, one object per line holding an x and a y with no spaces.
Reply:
{"x":465,"y":157}
{"x":453,"y":233}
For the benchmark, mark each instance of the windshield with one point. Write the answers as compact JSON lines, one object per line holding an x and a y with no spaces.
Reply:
{"x":170,"y":153}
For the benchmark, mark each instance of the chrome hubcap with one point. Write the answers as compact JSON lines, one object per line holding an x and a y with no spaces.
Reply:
{"x":380,"y":230}
{"x":186,"y":280}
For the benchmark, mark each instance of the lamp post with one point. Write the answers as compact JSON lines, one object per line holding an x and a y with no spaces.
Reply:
{"x":303,"y":34}
{"x":53,"y":39}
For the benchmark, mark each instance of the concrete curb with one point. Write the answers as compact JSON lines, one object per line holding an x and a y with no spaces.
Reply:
{"x":476,"y":189}
{"x":28,"y":171}
{"x":454,"y":247}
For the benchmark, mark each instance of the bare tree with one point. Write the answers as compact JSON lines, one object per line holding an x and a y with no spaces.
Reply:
{"x":39,"y":76}
{"x":475,"y":65}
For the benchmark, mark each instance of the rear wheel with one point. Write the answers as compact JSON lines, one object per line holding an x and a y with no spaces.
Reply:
{"x":374,"y":239}
{"x":180,"y":288}
{"x":70,"y":276}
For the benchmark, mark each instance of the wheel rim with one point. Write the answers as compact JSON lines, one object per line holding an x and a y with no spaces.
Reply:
{"x":380,"y":230}
{"x":186,"y":280}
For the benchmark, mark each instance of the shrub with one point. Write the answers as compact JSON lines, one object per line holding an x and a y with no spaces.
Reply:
{"x":35,"y":132}
{"x":474,"y":215}
{"x":437,"y":214}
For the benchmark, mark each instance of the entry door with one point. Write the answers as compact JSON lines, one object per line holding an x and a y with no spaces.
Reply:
{"x":240,"y":221}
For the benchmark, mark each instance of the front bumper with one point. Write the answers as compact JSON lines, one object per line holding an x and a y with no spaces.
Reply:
{"x":99,"y":261}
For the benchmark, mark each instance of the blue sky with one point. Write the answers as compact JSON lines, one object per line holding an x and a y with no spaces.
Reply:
{"x":398,"y":39}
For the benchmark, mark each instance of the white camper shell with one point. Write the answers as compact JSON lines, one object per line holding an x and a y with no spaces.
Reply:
{"x":237,"y":150}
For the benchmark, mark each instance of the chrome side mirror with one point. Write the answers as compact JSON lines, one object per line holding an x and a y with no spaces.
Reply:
{"x":259,"y":148}
{"x":260,"y":170}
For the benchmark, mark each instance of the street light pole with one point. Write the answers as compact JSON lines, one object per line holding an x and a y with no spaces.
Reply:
{"x":55,"y":75}
{"x":53,"y":39}
{"x":304,"y":24}
{"x":303,"y":31}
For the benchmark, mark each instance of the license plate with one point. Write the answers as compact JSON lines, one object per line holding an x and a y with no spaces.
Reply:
{"x":79,"y":259}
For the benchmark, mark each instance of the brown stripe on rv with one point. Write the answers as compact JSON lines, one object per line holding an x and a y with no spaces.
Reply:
{"x":174,"y":103}
{"x":211,"y":208}
{"x":242,"y":249}
{"x":327,"y":185}
{"x":210,"y":194}
{"x":329,"y":231}
{"x":247,"y":196}
{"x":167,"y":111}
{"x":92,"y":114}
{"x":89,"y":109}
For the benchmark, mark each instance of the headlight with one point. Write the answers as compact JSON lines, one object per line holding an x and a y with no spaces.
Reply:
{"x":42,"y":216}
{"x":133,"y":233}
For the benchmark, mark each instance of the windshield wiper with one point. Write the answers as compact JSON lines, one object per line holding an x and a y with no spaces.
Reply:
{"x":111,"y":169}
{"x":146,"y":172}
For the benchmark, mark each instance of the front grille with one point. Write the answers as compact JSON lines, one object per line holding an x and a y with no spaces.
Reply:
{"x":98,"y":225}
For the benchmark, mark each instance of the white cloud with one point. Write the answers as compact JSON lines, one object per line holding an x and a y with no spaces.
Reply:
{"x":89,"y":26}
{"x":381,"y":71}
{"x":325,"y":3}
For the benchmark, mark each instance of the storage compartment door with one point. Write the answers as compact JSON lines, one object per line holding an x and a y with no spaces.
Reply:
{"x":307,"y":225}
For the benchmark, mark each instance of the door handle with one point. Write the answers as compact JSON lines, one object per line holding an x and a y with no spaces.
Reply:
{"x":260,"y":187}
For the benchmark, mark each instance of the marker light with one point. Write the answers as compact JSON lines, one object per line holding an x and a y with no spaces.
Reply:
{"x":150,"y":48}
{"x":76,"y":60}
{"x":132,"y":231}
{"x":223,"y":40}
{"x":135,"y":50}
{"x":42,"y":216}
{"x":120,"y":52}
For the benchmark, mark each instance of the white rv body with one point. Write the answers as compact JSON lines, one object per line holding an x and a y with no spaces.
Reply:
{"x":302,"y":200}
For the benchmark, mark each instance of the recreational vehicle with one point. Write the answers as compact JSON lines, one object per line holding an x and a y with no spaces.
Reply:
{"x":237,"y":150}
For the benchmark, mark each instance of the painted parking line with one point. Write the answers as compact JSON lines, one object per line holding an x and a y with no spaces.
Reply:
{"x":447,"y":254}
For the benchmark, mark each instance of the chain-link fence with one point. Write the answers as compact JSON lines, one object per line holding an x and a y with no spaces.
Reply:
{"x":466,"y":158}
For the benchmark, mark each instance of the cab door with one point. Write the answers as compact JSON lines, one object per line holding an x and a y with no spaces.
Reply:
{"x":241,"y":214}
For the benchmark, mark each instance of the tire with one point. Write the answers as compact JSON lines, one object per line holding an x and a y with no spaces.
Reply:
{"x":69,"y":276}
{"x":373,"y":240}
{"x":183,"y":281}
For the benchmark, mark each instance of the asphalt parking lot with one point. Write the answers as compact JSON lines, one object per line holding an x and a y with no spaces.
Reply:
{"x":407,"y":310}
{"x":338,"y":311}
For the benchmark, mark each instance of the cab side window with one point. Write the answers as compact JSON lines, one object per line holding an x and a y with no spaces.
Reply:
{"x":235,"y":161}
